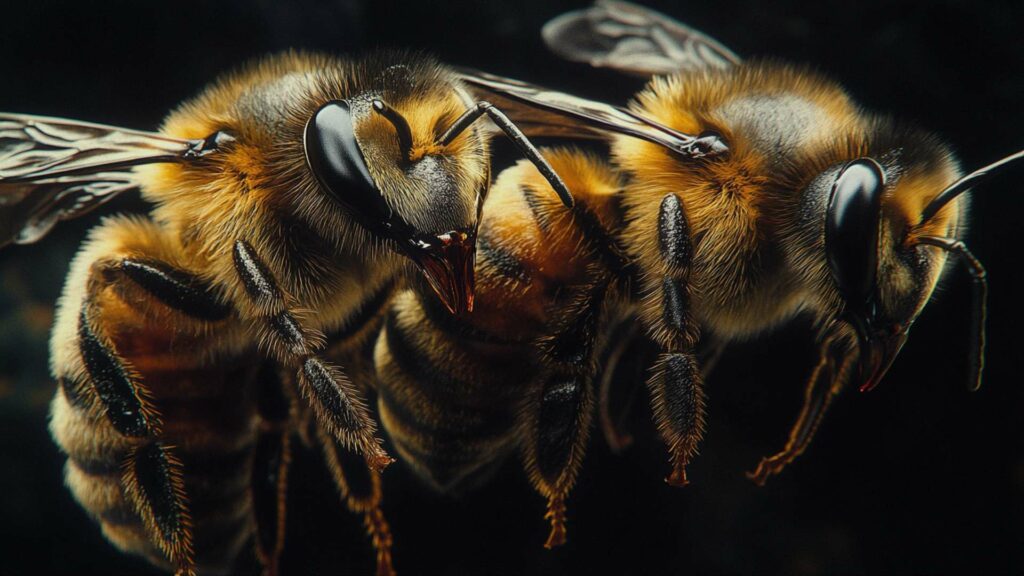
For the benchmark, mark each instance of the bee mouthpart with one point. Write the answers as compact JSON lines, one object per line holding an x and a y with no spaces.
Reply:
{"x":447,"y":262}
{"x":877,"y":352}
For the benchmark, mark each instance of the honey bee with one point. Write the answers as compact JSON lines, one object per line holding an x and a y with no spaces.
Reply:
{"x":738,"y":195}
{"x":290,"y":199}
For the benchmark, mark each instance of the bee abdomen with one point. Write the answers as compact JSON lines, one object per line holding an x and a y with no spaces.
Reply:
{"x":209,"y":424}
{"x":157,"y":420}
{"x":447,"y":405}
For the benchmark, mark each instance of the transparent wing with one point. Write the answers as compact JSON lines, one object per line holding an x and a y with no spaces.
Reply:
{"x":633,"y":39}
{"x":29,"y":210}
{"x":53,"y":169}
{"x":541,"y":112}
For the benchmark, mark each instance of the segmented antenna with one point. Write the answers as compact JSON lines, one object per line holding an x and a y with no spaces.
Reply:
{"x":402,"y":129}
{"x":516,"y":136}
{"x":962,"y":185}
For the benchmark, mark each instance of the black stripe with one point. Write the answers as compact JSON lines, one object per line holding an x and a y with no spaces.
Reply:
{"x":608,"y":249}
{"x":115,"y":389}
{"x":536,"y":204}
{"x":502,"y":260}
{"x":433,"y":380}
{"x":492,"y":423}
{"x":453,"y":325}
{"x":211,"y":498}
{"x":413,"y":361}
{"x":177,"y":289}
{"x":460,"y":463}
{"x":212,"y":540}
{"x":612,"y":253}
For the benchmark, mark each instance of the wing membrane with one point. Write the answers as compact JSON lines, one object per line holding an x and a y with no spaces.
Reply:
{"x":29,"y":210}
{"x":53,"y":169}
{"x":634,"y":40}
{"x":542,"y":112}
{"x":35,"y":147}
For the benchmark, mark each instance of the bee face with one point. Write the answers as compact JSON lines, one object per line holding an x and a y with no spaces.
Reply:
{"x":435,"y":187}
{"x":883,"y":276}
{"x":403,"y":187}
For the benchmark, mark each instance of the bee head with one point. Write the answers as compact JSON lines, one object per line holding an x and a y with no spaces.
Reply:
{"x":424,"y":202}
{"x":884,"y":218}
{"x":882,"y":287}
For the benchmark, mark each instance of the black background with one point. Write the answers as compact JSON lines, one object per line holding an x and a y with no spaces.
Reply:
{"x":918,"y":476}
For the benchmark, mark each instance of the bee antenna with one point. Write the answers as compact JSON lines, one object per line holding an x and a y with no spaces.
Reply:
{"x":402,"y":129}
{"x":962,"y":185}
{"x":518,"y":138}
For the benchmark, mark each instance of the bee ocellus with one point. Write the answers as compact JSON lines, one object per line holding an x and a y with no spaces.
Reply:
{"x":738,"y":195}
{"x":290,"y":199}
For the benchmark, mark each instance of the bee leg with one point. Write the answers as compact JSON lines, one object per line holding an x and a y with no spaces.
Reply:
{"x":677,"y":400}
{"x":152,"y":476}
{"x":556,"y":418}
{"x":827,"y":380}
{"x":675,"y":384}
{"x":338,"y":405}
{"x":554,"y":452}
{"x":270,"y":468}
{"x":360,"y":488}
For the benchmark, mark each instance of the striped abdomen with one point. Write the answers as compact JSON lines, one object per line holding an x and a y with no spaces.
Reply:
{"x":138,"y":352}
{"x":453,"y":389}
{"x":447,"y":402}
{"x":209,"y":420}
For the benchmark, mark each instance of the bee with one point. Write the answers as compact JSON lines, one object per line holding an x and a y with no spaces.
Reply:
{"x":737,"y":196}
{"x":290,"y":199}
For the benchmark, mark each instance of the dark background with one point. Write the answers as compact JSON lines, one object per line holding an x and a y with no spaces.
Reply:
{"x":919,"y":476}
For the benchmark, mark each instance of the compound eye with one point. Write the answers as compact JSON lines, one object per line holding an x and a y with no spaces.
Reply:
{"x":851,"y":232}
{"x":334,"y":157}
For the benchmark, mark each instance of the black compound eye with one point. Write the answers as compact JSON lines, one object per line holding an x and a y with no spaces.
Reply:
{"x":337,"y":163}
{"x":851,"y":231}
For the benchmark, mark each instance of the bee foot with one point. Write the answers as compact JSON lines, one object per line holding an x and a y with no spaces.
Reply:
{"x":556,"y":514}
{"x":765,"y":468}
{"x":677,"y":478}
